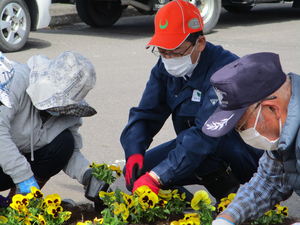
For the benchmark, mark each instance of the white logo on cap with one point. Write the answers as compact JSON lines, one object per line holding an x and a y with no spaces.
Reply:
{"x":221,"y":95}
{"x":218,"y":125}
{"x":194,"y":23}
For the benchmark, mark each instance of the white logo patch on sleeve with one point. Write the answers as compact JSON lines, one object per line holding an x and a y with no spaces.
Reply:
{"x":221,"y":95}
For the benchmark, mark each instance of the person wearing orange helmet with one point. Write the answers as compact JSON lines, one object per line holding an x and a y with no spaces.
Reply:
{"x":179,"y":86}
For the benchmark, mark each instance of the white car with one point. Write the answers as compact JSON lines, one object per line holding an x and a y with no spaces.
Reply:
{"x":17,"y":18}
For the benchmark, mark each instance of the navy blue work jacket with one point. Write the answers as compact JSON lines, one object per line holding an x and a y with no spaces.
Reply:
{"x":190,"y":102}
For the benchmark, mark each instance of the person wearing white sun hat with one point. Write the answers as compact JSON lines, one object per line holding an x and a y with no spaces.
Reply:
{"x":42,"y":103}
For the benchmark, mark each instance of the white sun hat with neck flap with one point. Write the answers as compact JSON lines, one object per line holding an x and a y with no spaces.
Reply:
{"x":61,"y":84}
{"x":6,"y":74}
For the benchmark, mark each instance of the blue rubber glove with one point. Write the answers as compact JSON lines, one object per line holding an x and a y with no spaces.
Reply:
{"x":24,"y":186}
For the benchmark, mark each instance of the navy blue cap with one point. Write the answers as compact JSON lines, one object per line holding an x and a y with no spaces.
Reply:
{"x":240,"y":84}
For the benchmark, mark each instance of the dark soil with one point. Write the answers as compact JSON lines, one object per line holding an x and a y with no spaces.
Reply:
{"x":84,"y":212}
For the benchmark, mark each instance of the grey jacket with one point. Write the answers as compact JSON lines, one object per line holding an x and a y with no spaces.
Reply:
{"x":22,"y":131}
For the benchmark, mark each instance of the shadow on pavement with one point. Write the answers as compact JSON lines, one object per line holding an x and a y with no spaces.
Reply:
{"x":34,"y":43}
{"x":127,"y":28}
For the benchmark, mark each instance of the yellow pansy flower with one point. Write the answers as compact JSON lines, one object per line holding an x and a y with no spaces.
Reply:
{"x":269,"y":213}
{"x":191,"y":218}
{"x":187,"y":216}
{"x":19,"y":203}
{"x":102,"y":194}
{"x":148,"y":200}
{"x":128,"y":199}
{"x":142,"y":189}
{"x":191,"y":221}
{"x":54,"y":210}
{"x":95,"y":165}
{"x":27,"y":221}
{"x":118,"y":208}
{"x":125,"y":214}
{"x":3,"y":220}
{"x":88,"y":222}
{"x":183,"y":196}
{"x":29,"y":196}
{"x":100,"y":220}
{"x":161,"y":203}
{"x":231,"y":196}
{"x":200,"y":197}
{"x":281,"y":209}
{"x":117,"y":169}
{"x":165,"y":194}
{"x":221,"y":207}
{"x":36,"y":192}
{"x":66,"y":215}
{"x":52,"y":200}
{"x":41,"y":220}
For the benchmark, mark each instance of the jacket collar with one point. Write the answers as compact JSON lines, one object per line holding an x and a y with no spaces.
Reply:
{"x":292,"y":123}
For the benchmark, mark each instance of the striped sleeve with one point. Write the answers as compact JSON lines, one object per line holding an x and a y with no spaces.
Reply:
{"x":261,"y":193}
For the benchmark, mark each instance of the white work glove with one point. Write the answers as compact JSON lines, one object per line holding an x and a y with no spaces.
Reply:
{"x":222,"y":221}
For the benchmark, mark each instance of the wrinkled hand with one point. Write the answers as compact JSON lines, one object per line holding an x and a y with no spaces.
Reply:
{"x":222,"y":221}
{"x":24,"y":186}
{"x":147,"y":180}
{"x":134,"y":166}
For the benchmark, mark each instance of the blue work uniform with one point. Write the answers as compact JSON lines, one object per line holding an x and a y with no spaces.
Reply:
{"x":190,"y":101}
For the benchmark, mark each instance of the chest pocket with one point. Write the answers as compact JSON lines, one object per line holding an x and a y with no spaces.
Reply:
{"x":184,"y":114}
{"x":190,"y":106}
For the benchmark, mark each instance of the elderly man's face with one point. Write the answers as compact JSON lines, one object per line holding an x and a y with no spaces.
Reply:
{"x":268,"y":121}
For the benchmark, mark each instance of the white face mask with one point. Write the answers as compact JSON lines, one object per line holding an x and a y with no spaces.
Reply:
{"x":180,"y":66}
{"x":253,"y":138}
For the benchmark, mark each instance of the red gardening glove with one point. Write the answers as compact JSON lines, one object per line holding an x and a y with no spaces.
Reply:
{"x":134,"y":166}
{"x":147,"y":180}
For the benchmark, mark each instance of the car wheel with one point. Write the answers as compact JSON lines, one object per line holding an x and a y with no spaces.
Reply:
{"x":99,"y":13}
{"x":238,"y":8}
{"x":210,"y":12}
{"x":14,"y":25}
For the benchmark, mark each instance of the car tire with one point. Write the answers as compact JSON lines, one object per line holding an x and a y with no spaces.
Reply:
{"x":238,"y":8}
{"x":14,"y":31}
{"x":210,"y":12}
{"x":99,"y":13}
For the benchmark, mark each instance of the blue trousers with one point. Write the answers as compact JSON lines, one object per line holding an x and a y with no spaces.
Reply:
{"x":48,"y":161}
{"x":233,"y":152}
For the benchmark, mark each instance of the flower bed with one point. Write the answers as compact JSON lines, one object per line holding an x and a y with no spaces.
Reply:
{"x":85,"y":212}
{"x":143,"y":207}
